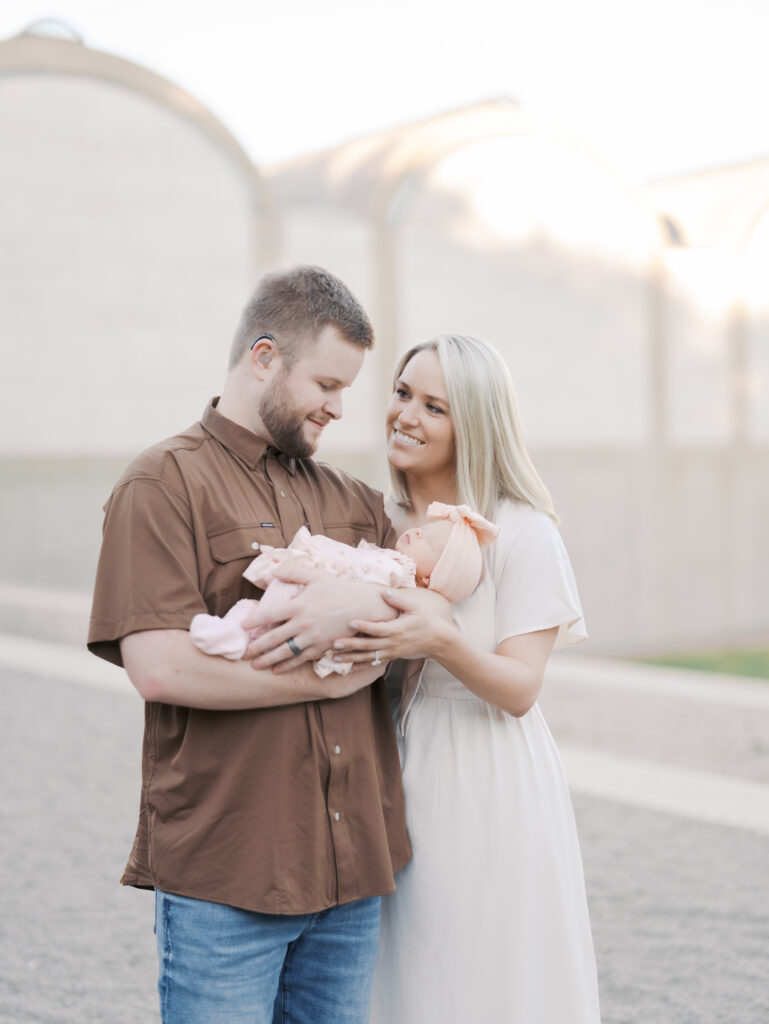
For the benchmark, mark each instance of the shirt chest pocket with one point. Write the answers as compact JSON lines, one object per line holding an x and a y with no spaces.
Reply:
{"x":351,"y":533}
{"x":231,"y":552}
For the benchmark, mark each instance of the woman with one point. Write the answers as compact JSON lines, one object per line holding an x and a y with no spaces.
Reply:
{"x":490,"y":921}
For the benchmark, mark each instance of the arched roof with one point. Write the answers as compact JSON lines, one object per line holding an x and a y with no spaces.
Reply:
{"x":36,"y":50}
{"x":365,"y":174}
{"x":374,"y":177}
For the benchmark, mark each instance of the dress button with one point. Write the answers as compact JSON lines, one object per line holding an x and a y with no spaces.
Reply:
{"x":337,"y":749}
{"x":336,"y":815}
{"x":255,"y":545}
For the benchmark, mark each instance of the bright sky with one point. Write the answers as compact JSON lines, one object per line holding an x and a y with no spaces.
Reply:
{"x":658,"y":88}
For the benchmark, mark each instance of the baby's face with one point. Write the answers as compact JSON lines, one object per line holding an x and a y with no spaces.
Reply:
{"x":425,"y":544}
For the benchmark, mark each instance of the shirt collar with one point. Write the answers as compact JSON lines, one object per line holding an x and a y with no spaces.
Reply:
{"x":240,"y":441}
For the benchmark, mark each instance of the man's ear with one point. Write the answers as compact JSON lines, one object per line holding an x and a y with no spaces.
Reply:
{"x":264,"y":358}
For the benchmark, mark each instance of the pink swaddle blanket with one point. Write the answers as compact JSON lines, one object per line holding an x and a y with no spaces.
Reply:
{"x":227,"y":637}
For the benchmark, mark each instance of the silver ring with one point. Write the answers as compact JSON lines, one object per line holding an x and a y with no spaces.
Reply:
{"x":377,"y":660}
{"x":293,"y":646}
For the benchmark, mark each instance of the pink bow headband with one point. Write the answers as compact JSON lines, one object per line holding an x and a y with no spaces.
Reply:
{"x":459,"y":569}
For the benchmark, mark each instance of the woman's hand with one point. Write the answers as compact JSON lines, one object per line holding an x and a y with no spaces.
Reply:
{"x":312,"y":620}
{"x":423,"y":623}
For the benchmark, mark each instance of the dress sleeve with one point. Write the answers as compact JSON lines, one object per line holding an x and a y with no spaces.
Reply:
{"x":535,"y":585}
{"x":147,"y":577}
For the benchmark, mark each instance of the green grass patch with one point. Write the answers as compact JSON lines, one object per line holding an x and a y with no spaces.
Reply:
{"x":736,"y":661}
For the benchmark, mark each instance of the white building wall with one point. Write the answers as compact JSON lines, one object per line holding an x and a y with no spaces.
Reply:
{"x":127,"y":252}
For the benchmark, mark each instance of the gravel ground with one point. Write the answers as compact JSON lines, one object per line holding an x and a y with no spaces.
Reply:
{"x":680,"y":914}
{"x":680,"y":909}
{"x":75,"y":946}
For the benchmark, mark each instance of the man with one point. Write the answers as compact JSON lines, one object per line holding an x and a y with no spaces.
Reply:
{"x":271,"y":816}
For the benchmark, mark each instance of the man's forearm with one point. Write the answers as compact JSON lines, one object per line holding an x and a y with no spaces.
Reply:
{"x":164,"y":665}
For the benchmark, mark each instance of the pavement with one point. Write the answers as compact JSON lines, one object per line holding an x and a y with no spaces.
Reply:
{"x":669,"y":773}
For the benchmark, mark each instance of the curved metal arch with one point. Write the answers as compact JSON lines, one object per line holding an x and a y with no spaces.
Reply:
{"x":28,"y":53}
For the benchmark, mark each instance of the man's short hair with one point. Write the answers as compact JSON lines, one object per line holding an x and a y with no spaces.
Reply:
{"x":294,"y":306}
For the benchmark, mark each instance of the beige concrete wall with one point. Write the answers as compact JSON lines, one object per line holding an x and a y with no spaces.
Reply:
{"x":129,"y":243}
{"x":128,"y":248}
{"x":670,"y":548}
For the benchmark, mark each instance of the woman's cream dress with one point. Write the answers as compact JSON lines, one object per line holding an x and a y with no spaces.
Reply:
{"x":489,"y":923}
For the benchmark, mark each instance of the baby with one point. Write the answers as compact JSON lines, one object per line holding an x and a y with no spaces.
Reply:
{"x":443,"y":555}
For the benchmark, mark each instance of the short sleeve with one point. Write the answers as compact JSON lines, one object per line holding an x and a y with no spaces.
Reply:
{"x":147,"y":577}
{"x":535,"y":585}
{"x":387,"y":533}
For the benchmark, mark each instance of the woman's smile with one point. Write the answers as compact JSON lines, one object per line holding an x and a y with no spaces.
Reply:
{"x":408,"y":439}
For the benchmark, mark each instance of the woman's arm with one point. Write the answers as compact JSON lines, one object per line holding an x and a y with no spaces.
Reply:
{"x":510,"y":677}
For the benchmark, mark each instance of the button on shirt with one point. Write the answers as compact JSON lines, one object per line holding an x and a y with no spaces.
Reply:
{"x":285,"y":810}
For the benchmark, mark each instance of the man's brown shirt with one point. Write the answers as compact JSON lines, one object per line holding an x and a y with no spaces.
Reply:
{"x":283,"y":810}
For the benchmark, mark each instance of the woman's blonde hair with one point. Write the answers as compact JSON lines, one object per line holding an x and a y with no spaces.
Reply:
{"x":492,"y":461}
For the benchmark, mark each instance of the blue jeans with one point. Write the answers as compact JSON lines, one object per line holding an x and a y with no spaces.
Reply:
{"x":222,"y":965}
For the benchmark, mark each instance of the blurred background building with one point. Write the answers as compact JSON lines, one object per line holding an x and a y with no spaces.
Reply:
{"x":635,"y":321}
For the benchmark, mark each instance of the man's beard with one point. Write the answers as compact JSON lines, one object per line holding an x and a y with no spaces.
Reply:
{"x":284,"y":422}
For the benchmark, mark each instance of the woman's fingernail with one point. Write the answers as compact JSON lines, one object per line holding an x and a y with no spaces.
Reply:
{"x":339,"y":645}
{"x":354,"y":625}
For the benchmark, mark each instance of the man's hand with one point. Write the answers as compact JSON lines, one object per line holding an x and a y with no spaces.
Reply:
{"x":313,"y":619}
